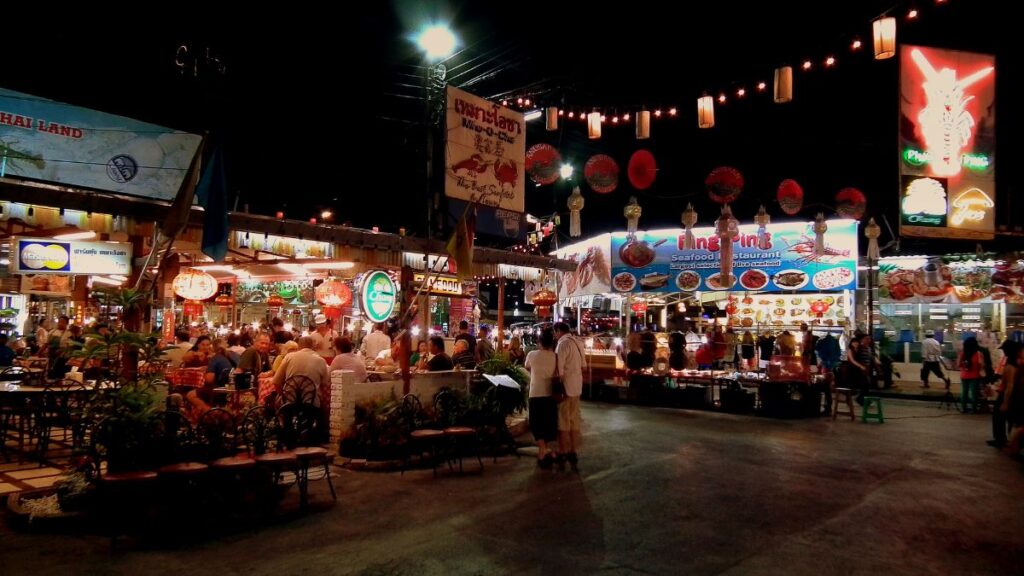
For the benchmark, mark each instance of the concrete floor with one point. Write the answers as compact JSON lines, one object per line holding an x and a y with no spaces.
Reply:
{"x":660,"y":492}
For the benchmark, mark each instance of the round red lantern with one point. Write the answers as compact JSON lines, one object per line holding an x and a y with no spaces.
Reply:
{"x":543,"y":163}
{"x":642,"y":169}
{"x":194,"y":285}
{"x":333,"y":293}
{"x":851,"y":203}
{"x":544,"y":299}
{"x":724,"y":184}
{"x":790,"y":196}
{"x":192,"y":308}
{"x":224,"y":301}
{"x":639,"y":307}
{"x":602,"y":173}
{"x":332,"y":313}
{"x":275,"y":301}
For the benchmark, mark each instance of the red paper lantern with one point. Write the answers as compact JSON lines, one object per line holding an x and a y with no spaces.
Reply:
{"x":544,"y":299}
{"x":192,"y":308}
{"x":601,"y":173}
{"x":334,"y":293}
{"x":639,"y":307}
{"x":724,"y":184}
{"x":332,"y":313}
{"x":642,"y":169}
{"x":275,"y":301}
{"x":224,"y":301}
{"x":543,"y":163}
{"x":790,"y":196}
{"x":851,"y":203}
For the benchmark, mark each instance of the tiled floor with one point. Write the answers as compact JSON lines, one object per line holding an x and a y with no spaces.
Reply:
{"x":24,"y":472}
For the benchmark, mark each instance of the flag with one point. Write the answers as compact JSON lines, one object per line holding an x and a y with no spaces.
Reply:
{"x":177,"y":216}
{"x":460,"y":245}
{"x":212,"y":194}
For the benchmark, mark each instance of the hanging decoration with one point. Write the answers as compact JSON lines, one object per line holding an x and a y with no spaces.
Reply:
{"x":594,"y":125}
{"x":728,"y":229}
{"x":790,"y":196}
{"x":783,"y":84}
{"x":333,"y":292}
{"x":602,"y":173}
{"x":884,"y":32}
{"x":689,"y":220}
{"x":194,"y":284}
{"x":872,"y":231}
{"x":640,"y":306}
{"x":632,"y":213}
{"x":642,"y":169}
{"x":762,"y":220}
{"x":275,"y":301}
{"x":724,"y":184}
{"x":643,"y":125}
{"x":851,"y":203}
{"x":575,"y":206}
{"x":543,"y":163}
{"x":224,"y":301}
{"x":820,"y":227}
{"x":705,"y":112}
{"x":544,"y":299}
{"x":192,"y":308}
{"x":551,"y":118}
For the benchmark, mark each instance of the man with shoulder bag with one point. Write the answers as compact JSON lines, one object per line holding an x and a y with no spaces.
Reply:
{"x":570,"y":361}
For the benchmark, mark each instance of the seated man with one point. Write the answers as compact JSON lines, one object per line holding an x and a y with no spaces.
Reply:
{"x":463,"y":357}
{"x":305,"y":362}
{"x":439,"y":359}
{"x":348,"y":360}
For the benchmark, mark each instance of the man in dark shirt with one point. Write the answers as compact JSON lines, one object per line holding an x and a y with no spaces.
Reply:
{"x":280,"y":335}
{"x":255,"y":359}
{"x":440,"y":360}
{"x":6,"y":354}
{"x":465,"y":335}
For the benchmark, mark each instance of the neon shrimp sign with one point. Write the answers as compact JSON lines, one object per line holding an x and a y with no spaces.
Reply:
{"x":946,"y":124}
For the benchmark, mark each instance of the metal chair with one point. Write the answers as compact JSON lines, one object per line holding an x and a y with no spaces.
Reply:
{"x":299,"y":389}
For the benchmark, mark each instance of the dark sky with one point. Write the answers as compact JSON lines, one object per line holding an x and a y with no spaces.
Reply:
{"x":321,"y":108}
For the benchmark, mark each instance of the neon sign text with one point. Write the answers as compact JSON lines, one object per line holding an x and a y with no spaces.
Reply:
{"x":970,"y":206}
{"x":975,"y":162}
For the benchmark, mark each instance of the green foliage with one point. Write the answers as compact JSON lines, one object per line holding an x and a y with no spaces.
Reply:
{"x":127,"y":425}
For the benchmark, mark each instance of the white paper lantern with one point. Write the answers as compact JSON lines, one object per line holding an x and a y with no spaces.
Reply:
{"x":783,"y":84}
{"x":643,"y":125}
{"x":551,"y":118}
{"x":705,"y":112}
{"x":594,"y":125}
{"x":885,"y":37}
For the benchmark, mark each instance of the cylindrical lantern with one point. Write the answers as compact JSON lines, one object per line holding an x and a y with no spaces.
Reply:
{"x":783,"y":84}
{"x":275,"y":301}
{"x":885,"y":37}
{"x":632,"y":213}
{"x":551,"y":119}
{"x":575,"y":206}
{"x":643,"y":125}
{"x":727,"y":229}
{"x":762,"y":220}
{"x":705,"y":112}
{"x":594,"y":125}
{"x":820,"y":227}
{"x":544,"y":299}
{"x":689,"y":219}
{"x":873,"y":231}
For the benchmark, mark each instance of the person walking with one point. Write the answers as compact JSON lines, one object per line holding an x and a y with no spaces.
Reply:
{"x":931,"y":356}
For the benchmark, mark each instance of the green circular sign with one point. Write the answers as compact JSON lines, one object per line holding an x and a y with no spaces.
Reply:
{"x":378,"y":296}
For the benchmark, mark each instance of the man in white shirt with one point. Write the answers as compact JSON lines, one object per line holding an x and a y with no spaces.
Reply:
{"x":62,"y":333}
{"x":570,"y":368}
{"x":931,"y":357}
{"x":42,"y":334}
{"x":323,"y":338}
{"x":305,"y":362}
{"x":376,"y":341}
{"x":348,"y":360}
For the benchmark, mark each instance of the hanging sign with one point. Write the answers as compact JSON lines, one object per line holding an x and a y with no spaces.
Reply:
{"x":378,"y":296}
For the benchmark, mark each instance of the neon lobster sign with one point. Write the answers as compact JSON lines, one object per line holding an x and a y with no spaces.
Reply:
{"x":946,"y":124}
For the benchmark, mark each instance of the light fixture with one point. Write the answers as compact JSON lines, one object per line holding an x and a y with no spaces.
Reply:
{"x":571,"y":115}
{"x":526,"y":102}
{"x":625,"y":117}
{"x":830,"y":61}
{"x":912,"y":14}
{"x":532,"y":115}
{"x":72,"y":233}
{"x":566,"y":171}
{"x":856,"y":45}
{"x":705,"y":112}
{"x":328,"y":265}
{"x":671,"y":111}
{"x":721,"y":98}
{"x":615,"y":119}
{"x":807,"y":64}
{"x":594,"y":125}
{"x":105,"y":280}
{"x":643,"y":125}
{"x":561,"y":112}
{"x":437,"y":41}
{"x":5,"y":262}
{"x":551,"y":118}
{"x":884,"y":32}
{"x":118,"y":277}
{"x":297,"y":269}
{"x":326,"y":215}
{"x":783,"y":84}
{"x":519,"y":101}
{"x":657,"y":113}
{"x":741,"y":93}
{"x":215,"y":267}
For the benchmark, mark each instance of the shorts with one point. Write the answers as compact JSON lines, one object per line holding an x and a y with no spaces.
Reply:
{"x":544,"y":418}
{"x":569,"y":418}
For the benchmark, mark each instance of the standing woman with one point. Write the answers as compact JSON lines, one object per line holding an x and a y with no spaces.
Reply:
{"x":1007,"y":384}
{"x":971,"y":363}
{"x":747,"y":350}
{"x":516,"y":354}
{"x":542,"y":364}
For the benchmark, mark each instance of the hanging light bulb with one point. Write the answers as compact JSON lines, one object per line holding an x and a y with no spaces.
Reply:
{"x":671,"y":111}
{"x":807,"y":64}
{"x":761,"y":86}
{"x":741,"y":93}
{"x":856,"y":45}
{"x":657,"y":113}
{"x":830,"y":61}
{"x":705,"y":112}
{"x":625,"y":117}
{"x":571,"y":115}
{"x":884,"y":33}
{"x":783,"y":84}
{"x":721,"y":98}
{"x":912,"y":14}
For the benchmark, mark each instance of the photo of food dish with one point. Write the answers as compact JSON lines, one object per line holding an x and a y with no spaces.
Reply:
{"x":832,"y":278}
{"x":790,"y":279}
{"x":688,"y":281}
{"x":624,"y":282}
{"x":714,"y":282}
{"x":653,"y":280}
{"x":753,"y":279}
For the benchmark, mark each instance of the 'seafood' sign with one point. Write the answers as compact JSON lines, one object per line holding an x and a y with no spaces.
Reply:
{"x":440,"y":285}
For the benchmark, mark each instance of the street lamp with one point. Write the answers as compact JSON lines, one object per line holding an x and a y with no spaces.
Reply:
{"x":437,"y":41}
{"x":565,"y":171}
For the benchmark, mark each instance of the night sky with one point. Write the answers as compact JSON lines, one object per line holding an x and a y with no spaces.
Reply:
{"x":319,"y":109}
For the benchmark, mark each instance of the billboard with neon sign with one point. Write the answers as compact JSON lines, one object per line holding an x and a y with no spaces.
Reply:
{"x":947,"y":143}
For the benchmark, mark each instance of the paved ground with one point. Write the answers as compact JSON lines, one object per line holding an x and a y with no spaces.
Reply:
{"x":660,"y":492}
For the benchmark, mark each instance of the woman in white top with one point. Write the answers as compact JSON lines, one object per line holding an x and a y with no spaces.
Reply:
{"x":543,"y":407}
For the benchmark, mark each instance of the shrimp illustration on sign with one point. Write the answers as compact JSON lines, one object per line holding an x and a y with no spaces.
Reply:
{"x":946,"y":125}
{"x":10,"y":158}
{"x":805,"y":247}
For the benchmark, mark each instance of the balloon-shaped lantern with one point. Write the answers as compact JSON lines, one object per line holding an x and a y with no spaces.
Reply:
{"x":642,"y":169}
{"x":543,"y":163}
{"x":575,"y":206}
{"x":727,"y":229}
{"x":193,"y":308}
{"x":763,"y":220}
{"x":689,"y":219}
{"x":724,"y":184}
{"x":851,"y":203}
{"x":194,"y":284}
{"x":334,"y":295}
{"x":873,"y":231}
{"x":632,"y":213}
{"x":820,"y":227}
{"x":602,"y":173}
{"x":790,"y":196}
{"x":275,"y":301}
{"x":544,"y":299}
{"x":224,"y":301}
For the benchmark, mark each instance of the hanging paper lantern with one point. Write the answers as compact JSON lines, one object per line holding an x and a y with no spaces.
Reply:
{"x":851,"y":203}
{"x":820,"y":227}
{"x":601,"y":173}
{"x":544,"y":299}
{"x":724,"y":184}
{"x":575,"y":204}
{"x":639,"y":306}
{"x":643,"y":125}
{"x":705,"y":112}
{"x":632,"y":213}
{"x":642,"y":169}
{"x":819,"y":307}
{"x":275,"y":301}
{"x":594,"y":125}
{"x":224,"y":301}
{"x":762,"y":220}
{"x":551,"y":118}
{"x":790,"y":196}
{"x":728,"y":229}
{"x":193,"y":308}
{"x":333,"y":292}
{"x":689,"y":220}
{"x":783,"y":84}
{"x":543,"y":163}
{"x":872,"y":231}
{"x":332,"y":312}
{"x":194,"y":285}
{"x":884,"y":32}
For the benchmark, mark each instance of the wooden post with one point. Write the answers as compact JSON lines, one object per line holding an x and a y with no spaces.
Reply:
{"x":501,"y":312}
{"x":405,"y":349}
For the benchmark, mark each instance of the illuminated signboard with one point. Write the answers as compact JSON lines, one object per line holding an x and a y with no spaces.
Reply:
{"x":441,"y":285}
{"x":378,"y":296}
{"x":947,"y":136}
